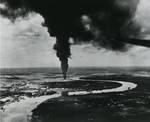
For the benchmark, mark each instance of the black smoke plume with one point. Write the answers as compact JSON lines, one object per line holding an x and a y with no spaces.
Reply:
{"x":108,"y":24}
{"x":62,"y":48}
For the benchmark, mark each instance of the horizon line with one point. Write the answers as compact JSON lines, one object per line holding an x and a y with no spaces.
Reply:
{"x":77,"y":67}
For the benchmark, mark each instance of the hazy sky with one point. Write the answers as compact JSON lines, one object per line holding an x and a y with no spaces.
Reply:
{"x":26,"y":43}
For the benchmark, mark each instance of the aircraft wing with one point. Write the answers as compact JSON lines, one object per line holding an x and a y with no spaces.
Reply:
{"x":139,"y":42}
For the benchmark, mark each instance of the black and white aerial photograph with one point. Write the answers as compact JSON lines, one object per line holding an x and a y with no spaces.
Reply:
{"x":74,"y":60}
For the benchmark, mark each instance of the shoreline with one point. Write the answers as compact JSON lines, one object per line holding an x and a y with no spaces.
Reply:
{"x":124,"y":87}
{"x":22,"y":110}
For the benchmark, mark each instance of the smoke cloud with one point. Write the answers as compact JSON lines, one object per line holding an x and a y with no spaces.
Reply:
{"x":107,"y":24}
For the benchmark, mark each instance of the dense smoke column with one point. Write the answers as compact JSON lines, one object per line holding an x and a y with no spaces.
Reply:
{"x":62,"y":48}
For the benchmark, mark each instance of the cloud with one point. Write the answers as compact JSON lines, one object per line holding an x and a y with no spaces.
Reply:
{"x":26,"y":43}
{"x":87,"y":55}
{"x":143,"y":17}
